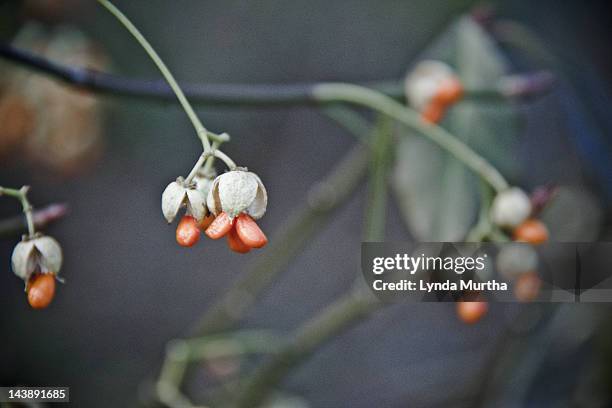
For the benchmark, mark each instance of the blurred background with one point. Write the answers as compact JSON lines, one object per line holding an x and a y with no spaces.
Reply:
{"x":130,"y":288}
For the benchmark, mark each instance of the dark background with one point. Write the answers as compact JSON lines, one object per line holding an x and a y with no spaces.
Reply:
{"x":130,"y":289}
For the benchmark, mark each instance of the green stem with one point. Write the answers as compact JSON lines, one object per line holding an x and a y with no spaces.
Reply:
{"x":335,"y":319}
{"x":375,"y":100}
{"x":357,"y":305}
{"x":211,"y":160}
{"x":197,"y":124}
{"x":22,"y":196}
{"x":196,"y":167}
{"x":483,"y":227}
{"x":381,"y":148}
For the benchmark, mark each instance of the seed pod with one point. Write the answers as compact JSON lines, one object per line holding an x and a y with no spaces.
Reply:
{"x":531,"y":231}
{"x":510,"y":208}
{"x":236,"y":192}
{"x":41,"y":255}
{"x":187,"y":231}
{"x":471,"y":312}
{"x":425,"y":81}
{"x":40,"y":290}
{"x":177,"y":195}
{"x":516,"y":259}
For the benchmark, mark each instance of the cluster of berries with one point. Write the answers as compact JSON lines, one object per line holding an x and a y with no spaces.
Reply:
{"x":516,"y":213}
{"x":222,"y":206}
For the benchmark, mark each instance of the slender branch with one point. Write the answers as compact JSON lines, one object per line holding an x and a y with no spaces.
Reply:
{"x":225,"y":159}
{"x":380,"y":163}
{"x":197,"y":124}
{"x":179,"y":353}
{"x":22,"y":196}
{"x":483,"y":227}
{"x":16,"y":225}
{"x":381,"y":103}
{"x":334,"y":319}
{"x":224,"y":94}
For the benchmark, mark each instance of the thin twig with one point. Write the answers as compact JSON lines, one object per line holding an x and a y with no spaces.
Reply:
{"x":379,"y":102}
{"x":17,"y":225}
{"x":333,"y":320}
{"x":197,"y":124}
{"x":256,"y":95}
{"x":22,"y":196}
{"x":179,"y":353}
{"x":354,"y":307}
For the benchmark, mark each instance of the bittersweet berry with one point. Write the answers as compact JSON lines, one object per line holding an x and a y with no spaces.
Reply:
{"x":249,"y":232}
{"x":531,"y":231}
{"x":471,"y":312}
{"x":187,"y":231}
{"x":221,"y":225}
{"x":41,"y":290}
{"x":235,"y":243}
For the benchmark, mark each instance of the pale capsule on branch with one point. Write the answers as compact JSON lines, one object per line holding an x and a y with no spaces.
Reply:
{"x":236,"y":192}
{"x":238,"y":198}
{"x":41,"y":254}
{"x":510,"y":208}
{"x":38,"y":261}
{"x":177,"y":195}
{"x":431,"y":87}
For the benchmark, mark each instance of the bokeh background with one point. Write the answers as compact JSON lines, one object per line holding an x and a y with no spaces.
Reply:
{"x":130,"y":289}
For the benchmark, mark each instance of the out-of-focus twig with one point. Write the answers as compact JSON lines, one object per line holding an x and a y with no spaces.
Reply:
{"x":221,"y":94}
{"x":342,"y":314}
{"x":42,"y":217}
{"x":208,"y":348}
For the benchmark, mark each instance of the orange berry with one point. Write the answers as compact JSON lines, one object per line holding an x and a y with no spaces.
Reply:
{"x":432,"y":113}
{"x":206,"y":221}
{"x":235,"y":243}
{"x":187,"y":231}
{"x":471,"y":312}
{"x":531,"y":231}
{"x":41,"y":289}
{"x":527,"y":287}
{"x":249,"y":232}
{"x":221,"y":225}
{"x":449,"y":92}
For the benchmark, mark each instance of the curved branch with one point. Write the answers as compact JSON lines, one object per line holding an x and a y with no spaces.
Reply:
{"x":217,"y":94}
